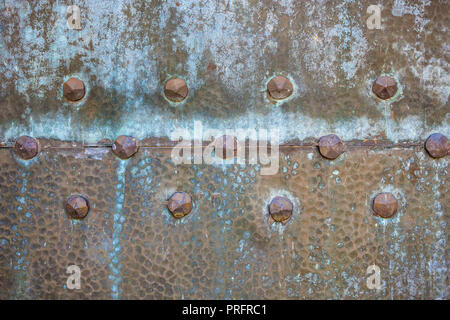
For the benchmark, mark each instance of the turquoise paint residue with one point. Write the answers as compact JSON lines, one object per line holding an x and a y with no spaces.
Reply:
{"x":20,"y":262}
{"x":115,"y":265}
{"x":21,"y":199}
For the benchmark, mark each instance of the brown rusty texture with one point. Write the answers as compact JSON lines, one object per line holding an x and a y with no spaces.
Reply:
{"x":223,"y":56}
{"x":279,"y":88}
{"x":180,"y":204}
{"x":437,"y":145}
{"x":26,"y":147}
{"x":73,"y":89}
{"x":331,"y":146}
{"x":125,"y":147}
{"x":385,"y":87}
{"x":176,"y":90}
{"x":385,"y":205}
{"x":280,"y":209}
{"x":77,"y":207}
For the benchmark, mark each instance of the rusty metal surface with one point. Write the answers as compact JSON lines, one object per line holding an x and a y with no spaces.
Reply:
{"x":130,"y":246}
{"x":227,"y":51}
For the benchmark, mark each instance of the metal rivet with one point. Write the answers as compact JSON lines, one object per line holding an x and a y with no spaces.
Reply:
{"x":384,"y":87}
{"x":26,"y":147}
{"x":124,"y":147}
{"x":385,"y":205}
{"x":331,"y":146}
{"x":280,"y":209}
{"x":77,"y":207}
{"x":437,"y":145}
{"x":228,"y":145}
{"x":279,"y":88}
{"x":176,"y":90}
{"x":180,"y":204}
{"x":73,"y":89}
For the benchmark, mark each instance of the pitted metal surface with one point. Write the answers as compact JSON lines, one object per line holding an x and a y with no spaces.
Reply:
{"x":129,"y":246}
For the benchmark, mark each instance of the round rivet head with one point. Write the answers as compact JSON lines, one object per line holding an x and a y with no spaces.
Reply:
{"x":437,"y":145}
{"x":26,"y":147}
{"x":280,"y":209}
{"x":176,"y":90}
{"x":180,"y":204}
{"x":331,"y":146}
{"x":228,"y":145}
{"x":279,"y":88}
{"x":124,"y":147}
{"x":73,"y":89}
{"x":77,"y":207}
{"x":384,"y":87}
{"x":385,"y":205}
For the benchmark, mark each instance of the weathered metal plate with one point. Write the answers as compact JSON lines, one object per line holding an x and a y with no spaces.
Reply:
{"x":130,"y":246}
{"x":226,"y":50}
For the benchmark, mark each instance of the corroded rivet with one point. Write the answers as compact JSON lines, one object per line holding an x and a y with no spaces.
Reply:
{"x":124,"y":147}
{"x":385,"y":205}
{"x":176,"y":90}
{"x":437,"y":145}
{"x":331,"y":146}
{"x":280,"y":209}
{"x":180,"y":204}
{"x":26,"y":147}
{"x":73,"y":89}
{"x":279,"y":88}
{"x":77,"y":207}
{"x":228,"y":145}
{"x":384,"y":87}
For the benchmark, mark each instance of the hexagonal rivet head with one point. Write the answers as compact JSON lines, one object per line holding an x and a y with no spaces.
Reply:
{"x":385,"y":205}
{"x":331,"y":146}
{"x":279,"y":88}
{"x":280,"y":209}
{"x":77,"y":207}
{"x":384,"y":87}
{"x":180,"y":204}
{"x":26,"y":147}
{"x":73,"y":89}
{"x":437,"y":145}
{"x":176,"y":90}
{"x":225,"y":145}
{"x":124,"y":147}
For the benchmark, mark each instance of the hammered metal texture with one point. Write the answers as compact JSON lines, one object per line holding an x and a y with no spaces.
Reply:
{"x":129,"y":246}
{"x":39,"y":240}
